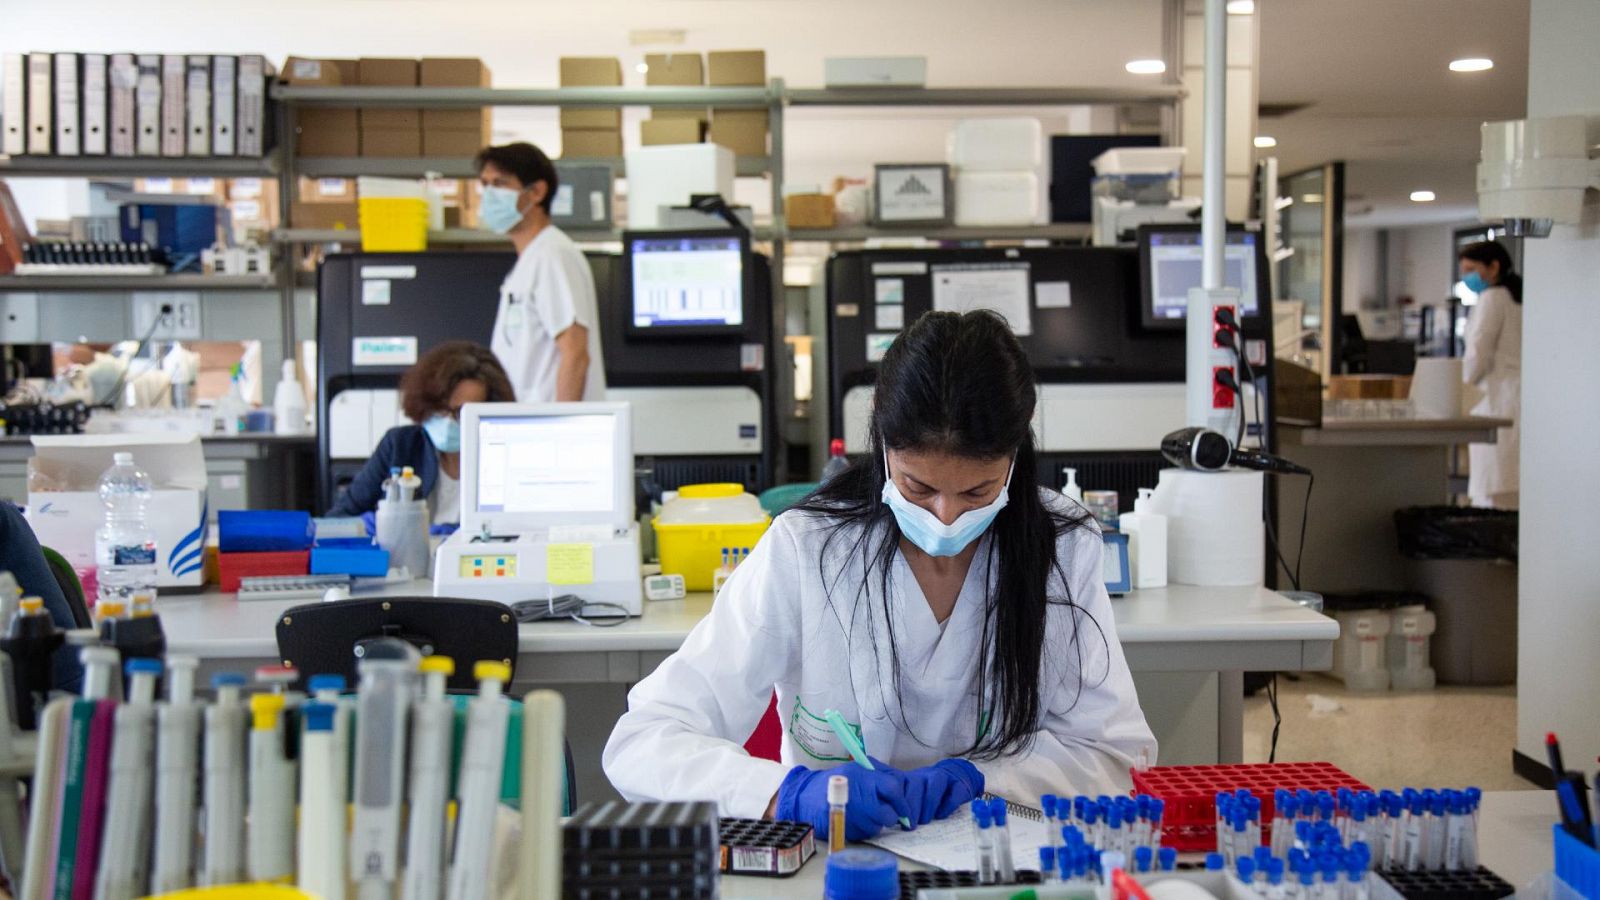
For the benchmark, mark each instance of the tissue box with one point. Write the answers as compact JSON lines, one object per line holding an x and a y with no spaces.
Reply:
{"x":64,"y":506}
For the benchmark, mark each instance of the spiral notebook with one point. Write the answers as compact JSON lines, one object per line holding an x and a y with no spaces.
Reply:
{"x":951,"y":844}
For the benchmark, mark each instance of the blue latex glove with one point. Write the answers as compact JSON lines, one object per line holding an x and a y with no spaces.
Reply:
{"x":877,"y":799}
{"x":370,"y":519}
{"x":447,"y":528}
{"x":938,"y":790}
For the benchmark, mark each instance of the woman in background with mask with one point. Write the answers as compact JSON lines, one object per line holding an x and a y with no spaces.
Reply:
{"x":547,"y":328}
{"x":1493,"y":364}
{"x":432,"y":393}
{"x":950,"y":610}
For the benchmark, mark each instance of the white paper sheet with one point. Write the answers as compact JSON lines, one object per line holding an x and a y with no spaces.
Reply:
{"x":950,"y":844}
{"x":1002,"y":288}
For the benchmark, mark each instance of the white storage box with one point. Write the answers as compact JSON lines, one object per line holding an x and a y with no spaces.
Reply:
{"x":874,"y":71}
{"x":669,"y":175}
{"x":1139,"y":161}
{"x":997,"y":198}
{"x":996,"y":145}
{"x":64,"y":497}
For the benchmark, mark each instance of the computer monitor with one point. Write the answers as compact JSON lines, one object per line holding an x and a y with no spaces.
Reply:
{"x":529,"y":466}
{"x":1170,"y":264}
{"x":687,"y":282}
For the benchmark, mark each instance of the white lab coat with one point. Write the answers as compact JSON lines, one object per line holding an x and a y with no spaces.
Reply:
{"x":1493,"y":364}
{"x":774,"y":626}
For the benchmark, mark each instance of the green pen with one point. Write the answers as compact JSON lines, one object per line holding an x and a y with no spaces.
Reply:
{"x":858,"y":752}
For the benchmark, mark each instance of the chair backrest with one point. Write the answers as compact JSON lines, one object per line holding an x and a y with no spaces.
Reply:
{"x":71,"y":588}
{"x":327,"y":638}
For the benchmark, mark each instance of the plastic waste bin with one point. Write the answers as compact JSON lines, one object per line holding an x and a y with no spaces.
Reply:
{"x":1464,"y":560}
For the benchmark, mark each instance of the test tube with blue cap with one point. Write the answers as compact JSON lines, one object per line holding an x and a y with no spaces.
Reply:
{"x":1047,"y":864}
{"x":1168,"y":858}
{"x":1143,"y":859}
{"x":985,"y":841}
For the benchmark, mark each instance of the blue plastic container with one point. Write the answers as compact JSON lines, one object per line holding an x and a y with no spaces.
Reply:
{"x":370,"y":561}
{"x":1577,"y":863}
{"x":263,"y":531}
{"x":862,"y":874}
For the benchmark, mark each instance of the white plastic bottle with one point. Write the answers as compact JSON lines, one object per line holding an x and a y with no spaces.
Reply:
{"x":1408,"y":652}
{"x":1147,"y":541}
{"x":289,"y":403}
{"x":1070,"y":488}
{"x":124,"y":545}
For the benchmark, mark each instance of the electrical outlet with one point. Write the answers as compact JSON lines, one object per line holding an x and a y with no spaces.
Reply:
{"x":183,"y":324}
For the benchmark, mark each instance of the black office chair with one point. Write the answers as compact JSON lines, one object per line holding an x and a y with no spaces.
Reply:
{"x":329,"y":639}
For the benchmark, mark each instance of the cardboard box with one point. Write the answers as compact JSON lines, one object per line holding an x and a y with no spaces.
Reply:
{"x":808,"y":210}
{"x":655,"y":132}
{"x":737,"y":68}
{"x":590,"y":143}
{"x":304,"y":72}
{"x":324,"y":131}
{"x":64,"y":502}
{"x":591,"y":71}
{"x":744,"y":131}
{"x":390,"y":132}
{"x":455,"y":72}
{"x":674,"y":69}
{"x":455,"y":142}
{"x":327,"y":190}
{"x":325,"y":216}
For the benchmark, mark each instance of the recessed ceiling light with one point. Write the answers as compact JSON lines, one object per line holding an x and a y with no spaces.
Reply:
{"x":1422,"y":196}
{"x":642,"y":68}
{"x":1146,"y":66}
{"x":1241,"y":7}
{"x":1310,"y":198}
{"x":1473,"y":64}
{"x":1263,"y":141}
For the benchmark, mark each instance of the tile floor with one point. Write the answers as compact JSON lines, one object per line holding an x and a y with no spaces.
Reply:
{"x":1447,"y":737}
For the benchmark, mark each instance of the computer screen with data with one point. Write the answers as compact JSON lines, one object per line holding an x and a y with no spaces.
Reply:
{"x":687,"y":282}
{"x":1170,"y":257}
{"x":547,"y":464}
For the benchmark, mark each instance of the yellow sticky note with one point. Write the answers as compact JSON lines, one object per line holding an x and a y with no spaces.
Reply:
{"x":569,"y":563}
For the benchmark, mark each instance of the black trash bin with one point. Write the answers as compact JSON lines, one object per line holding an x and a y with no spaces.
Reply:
{"x":1465,"y":561}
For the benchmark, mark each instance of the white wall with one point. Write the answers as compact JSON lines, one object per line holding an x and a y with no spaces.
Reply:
{"x":1558,"y":668}
{"x":1363,"y":270}
{"x":1420,"y":266}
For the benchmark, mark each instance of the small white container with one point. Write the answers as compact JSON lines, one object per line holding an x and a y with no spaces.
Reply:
{"x":1410,"y":667}
{"x":1070,"y":488}
{"x":1359,"y":656}
{"x":995,"y":199}
{"x":1147,"y":542}
{"x":1011,"y":144}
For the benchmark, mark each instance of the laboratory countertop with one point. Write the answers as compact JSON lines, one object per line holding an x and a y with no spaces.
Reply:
{"x":1513,"y":840}
{"x":246,"y":438}
{"x":1395,"y":432}
{"x":216,"y":625}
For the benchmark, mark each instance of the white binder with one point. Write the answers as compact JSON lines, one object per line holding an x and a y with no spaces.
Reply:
{"x":123,"y":79}
{"x":147,"y":106}
{"x":255,"y":73}
{"x":69,"y":142}
{"x":173,"y":73}
{"x":197,"y":95}
{"x":94,"y":104}
{"x":14,"y":94}
{"x":41,"y":99}
{"x":224,"y":87}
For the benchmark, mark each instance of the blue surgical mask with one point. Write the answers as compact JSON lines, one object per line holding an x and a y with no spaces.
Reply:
{"x":1475,"y":283}
{"x":497,"y":209}
{"x":924,"y":529}
{"x":445,"y":433}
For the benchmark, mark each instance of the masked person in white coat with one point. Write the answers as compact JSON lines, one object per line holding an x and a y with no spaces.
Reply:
{"x":950,"y":609}
{"x":1493,"y":364}
{"x":547,"y":329}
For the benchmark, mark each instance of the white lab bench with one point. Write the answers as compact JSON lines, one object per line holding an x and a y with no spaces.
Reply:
{"x":1187,"y":648}
{"x":1513,"y":840}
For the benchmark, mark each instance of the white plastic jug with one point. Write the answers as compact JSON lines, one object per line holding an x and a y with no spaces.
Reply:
{"x":1410,"y":668}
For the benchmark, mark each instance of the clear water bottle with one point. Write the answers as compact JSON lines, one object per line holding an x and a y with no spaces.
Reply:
{"x":124,"y":546}
{"x":836,"y":461}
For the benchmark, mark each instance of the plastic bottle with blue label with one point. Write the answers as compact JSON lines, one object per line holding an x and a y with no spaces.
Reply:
{"x":124,"y":545}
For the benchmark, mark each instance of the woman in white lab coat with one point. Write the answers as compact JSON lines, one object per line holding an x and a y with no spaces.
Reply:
{"x":1493,"y":364}
{"x":950,"y":610}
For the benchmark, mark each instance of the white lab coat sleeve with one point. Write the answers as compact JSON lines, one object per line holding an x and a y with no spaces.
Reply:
{"x":556,"y":293}
{"x":683,"y":734}
{"x":1092,"y":727}
{"x":1483,"y":334}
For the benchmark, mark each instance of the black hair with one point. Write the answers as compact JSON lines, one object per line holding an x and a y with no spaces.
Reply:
{"x":961,"y":384}
{"x":1486,"y":252}
{"x":527,"y":162}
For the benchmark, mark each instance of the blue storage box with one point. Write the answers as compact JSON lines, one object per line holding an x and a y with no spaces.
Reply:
{"x":1577,"y":863}
{"x":263,"y":531}
{"x":179,"y":229}
{"x":362,"y":559}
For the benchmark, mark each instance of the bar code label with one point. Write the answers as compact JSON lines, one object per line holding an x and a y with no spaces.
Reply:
{"x":758,"y":859}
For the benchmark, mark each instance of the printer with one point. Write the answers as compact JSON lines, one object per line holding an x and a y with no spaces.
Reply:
{"x":547,"y":505}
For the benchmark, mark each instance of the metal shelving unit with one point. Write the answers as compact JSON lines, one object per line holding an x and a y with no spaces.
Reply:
{"x":1160,"y":94}
{"x":138,"y":167}
{"x":183,"y":281}
{"x":461,"y":167}
{"x":571,"y":97}
{"x":1073,"y":231}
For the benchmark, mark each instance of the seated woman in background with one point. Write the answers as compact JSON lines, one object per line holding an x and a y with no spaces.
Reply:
{"x":432,"y":393}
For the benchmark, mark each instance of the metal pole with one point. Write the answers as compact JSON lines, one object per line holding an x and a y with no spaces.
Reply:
{"x":1213,"y":212}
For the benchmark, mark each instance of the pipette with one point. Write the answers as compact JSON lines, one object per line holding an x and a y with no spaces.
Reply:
{"x":177,"y":758}
{"x":432,"y":725}
{"x":224,"y":783}
{"x":125,"y":847}
{"x":388,"y":676}
{"x":100,"y":691}
{"x":391,"y":485}
{"x":481,"y":763}
{"x":31,"y":640}
{"x":10,"y":594}
{"x":543,"y":769}
{"x":409,"y":483}
{"x":322,"y":808}
{"x":329,"y":689}
{"x":269,"y":853}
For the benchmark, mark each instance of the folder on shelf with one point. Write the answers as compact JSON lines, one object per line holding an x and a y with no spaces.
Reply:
{"x":94,"y":104}
{"x":41,"y":98}
{"x":147,"y":106}
{"x":255,"y":73}
{"x":14,"y":94}
{"x":224,"y":80}
{"x":173,"y":73}
{"x":197,"y":94}
{"x":122,"y":79}
{"x":68,"y":141}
